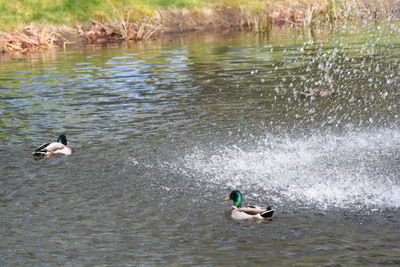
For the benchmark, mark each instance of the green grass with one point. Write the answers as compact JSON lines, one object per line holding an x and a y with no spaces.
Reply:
{"x":15,"y":14}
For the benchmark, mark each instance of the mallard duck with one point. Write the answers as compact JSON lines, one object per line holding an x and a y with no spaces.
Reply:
{"x":249,"y":212}
{"x":49,"y":149}
{"x":318,"y":92}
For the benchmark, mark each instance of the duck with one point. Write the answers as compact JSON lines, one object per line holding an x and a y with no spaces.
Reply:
{"x":49,"y":149}
{"x":320,"y":92}
{"x":249,"y":213}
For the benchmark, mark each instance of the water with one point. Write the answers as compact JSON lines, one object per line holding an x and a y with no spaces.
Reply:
{"x":163,"y":131}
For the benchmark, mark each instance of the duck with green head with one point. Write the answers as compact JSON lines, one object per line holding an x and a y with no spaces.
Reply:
{"x":49,"y":149}
{"x":249,"y":212}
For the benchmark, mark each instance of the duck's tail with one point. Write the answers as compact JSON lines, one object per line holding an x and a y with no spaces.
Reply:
{"x":41,"y":151}
{"x":268,"y":213}
{"x":39,"y":154}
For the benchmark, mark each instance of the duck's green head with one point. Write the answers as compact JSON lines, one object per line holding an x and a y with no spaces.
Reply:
{"x":62,"y":139}
{"x":236,"y":197}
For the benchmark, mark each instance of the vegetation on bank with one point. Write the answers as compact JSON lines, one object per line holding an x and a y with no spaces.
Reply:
{"x":27,"y":25}
{"x":16,"y":14}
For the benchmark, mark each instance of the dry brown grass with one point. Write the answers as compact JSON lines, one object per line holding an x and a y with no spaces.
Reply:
{"x":34,"y":38}
{"x":116,"y":31}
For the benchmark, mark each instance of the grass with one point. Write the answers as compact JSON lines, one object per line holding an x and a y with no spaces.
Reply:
{"x":16,"y":14}
{"x":115,"y":20}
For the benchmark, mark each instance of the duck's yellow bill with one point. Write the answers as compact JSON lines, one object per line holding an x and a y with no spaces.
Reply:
{"x":227,"y":198}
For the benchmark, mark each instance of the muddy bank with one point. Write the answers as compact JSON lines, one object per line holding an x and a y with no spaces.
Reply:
{"x":302,"y":13}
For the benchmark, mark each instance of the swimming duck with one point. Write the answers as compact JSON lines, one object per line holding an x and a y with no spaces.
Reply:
{"x":49,"y":149}
{"x":249,"y":213}
{"x":318,"y":92}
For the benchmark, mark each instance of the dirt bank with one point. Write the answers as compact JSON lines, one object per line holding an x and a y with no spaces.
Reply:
{"x":218,"y":17}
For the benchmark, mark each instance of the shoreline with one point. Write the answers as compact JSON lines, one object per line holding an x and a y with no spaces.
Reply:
{"x":217,"y":18}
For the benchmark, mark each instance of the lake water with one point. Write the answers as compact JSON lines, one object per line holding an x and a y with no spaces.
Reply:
{"x":162,"y":131}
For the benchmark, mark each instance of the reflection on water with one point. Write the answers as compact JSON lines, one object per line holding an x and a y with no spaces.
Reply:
{"x":162,"y":131}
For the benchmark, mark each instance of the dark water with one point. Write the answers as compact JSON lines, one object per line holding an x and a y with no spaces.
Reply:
{"x":163,"y":131}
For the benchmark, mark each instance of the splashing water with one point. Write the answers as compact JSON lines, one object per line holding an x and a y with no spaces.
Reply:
{"x":355,"y":170}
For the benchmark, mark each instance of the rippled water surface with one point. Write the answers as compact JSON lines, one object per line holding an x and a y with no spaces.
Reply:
{"x":163,"y":131}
